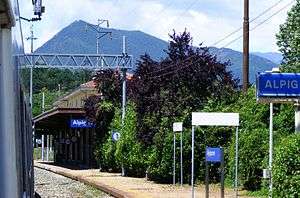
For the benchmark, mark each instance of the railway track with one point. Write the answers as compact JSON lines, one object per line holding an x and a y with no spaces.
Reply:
{"x":49,"y":184}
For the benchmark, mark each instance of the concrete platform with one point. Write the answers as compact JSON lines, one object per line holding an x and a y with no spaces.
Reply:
{"x":128,"y":187}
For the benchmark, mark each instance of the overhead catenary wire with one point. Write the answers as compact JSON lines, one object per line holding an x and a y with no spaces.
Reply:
{"x":185,"y":66}
{"x":236,"y":39}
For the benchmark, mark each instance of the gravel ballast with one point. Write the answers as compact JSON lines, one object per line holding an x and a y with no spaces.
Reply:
{"x":48,"y":184}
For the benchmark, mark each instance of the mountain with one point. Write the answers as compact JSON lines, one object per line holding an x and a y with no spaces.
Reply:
{"x":256,"y":63}
{"x":79,"y":37}
{"x":272,"y":56}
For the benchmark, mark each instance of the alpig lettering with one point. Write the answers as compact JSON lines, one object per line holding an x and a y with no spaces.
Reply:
{"x":290,"y":84}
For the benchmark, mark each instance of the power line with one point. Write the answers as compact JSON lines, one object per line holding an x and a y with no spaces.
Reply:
{"x":254,"y":19}
{"x":258,"y":25}
{"x":161,"y":12}
{"x":179,"y":17}
{"x":188,"y":8}
{"x":188,"y":65}
{"x":261,"y":23}
{"x":178,"y":69}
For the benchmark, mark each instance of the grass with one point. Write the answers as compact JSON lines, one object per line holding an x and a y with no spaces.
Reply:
{"x":263,"y":193}
{"x":90,"y":192}
{"x":37,"y":154}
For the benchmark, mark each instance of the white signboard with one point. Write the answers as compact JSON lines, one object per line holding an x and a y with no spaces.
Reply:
{"x":177,"y":126}
{"x":215,"y":119}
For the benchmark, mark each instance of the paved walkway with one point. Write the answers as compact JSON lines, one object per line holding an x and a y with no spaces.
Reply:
{"x":130,"y":187}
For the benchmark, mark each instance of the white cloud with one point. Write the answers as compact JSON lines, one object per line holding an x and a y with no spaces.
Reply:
{"x":206,"y":22}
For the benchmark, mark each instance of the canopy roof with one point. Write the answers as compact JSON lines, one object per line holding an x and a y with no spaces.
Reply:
{"x":57,"y":118}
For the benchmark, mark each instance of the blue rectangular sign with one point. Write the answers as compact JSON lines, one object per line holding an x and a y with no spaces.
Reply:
{"x":281,"y":85}
{"x":213,"y":154}
{"x":81,"y":123}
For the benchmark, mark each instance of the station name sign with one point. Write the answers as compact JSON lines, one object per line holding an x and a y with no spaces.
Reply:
{"x":278,"y":85}
{"x":81,"y":123}
{"x":213,"y":154}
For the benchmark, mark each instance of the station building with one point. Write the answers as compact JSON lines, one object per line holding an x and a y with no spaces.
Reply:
{"x":71,"y":146}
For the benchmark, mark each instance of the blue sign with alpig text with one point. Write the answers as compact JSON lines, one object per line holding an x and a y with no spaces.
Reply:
{"x":213,"y":154}
{"x":81,"y":123}
{"x":282,"y":85}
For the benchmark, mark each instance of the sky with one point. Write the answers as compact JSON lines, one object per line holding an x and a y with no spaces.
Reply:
{"x":208,"y":21}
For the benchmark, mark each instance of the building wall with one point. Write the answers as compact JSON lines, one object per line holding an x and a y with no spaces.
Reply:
{"x":75,"y":99}
{"x":74,"y":147}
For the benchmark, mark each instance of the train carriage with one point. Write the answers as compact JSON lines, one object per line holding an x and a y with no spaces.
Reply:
{"x":16,"y":147}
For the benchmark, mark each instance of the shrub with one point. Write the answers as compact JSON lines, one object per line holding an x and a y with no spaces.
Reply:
{"x":286,"y":168}
{"x":253,"y":149}
{"x":129,"y":151}
{"x":108,"y":148}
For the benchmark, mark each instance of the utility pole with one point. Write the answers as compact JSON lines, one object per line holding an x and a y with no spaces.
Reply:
{"x":43,"y":136}
{"x":31,"y":38}
{"x":124,"y":71}
{"x":246,"y":47}
{"x":271,"y":151}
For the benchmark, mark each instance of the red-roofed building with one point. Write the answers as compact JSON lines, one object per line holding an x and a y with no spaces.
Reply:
{"x":71,"y":145}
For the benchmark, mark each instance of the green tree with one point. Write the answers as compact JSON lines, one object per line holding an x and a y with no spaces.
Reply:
{"x":182,"y":82}
{"x":289,"y":40}
{"x":107,"y":150}
{"x":129,"y":152}
{"x":50,"y":98}
{"x":52,"y":79}
{"x":286,"y":168}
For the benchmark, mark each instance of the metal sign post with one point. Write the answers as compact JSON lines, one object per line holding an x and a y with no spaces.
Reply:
{"x":181,"y":160}
{"x":43,"y":147}
{"x":177,"y":127}
{"x":214,"y":119}
{"x":236,"y":161}
{"x":277,"y":88}
{"x":192,"y":177}
{"x":214,"y":155}
{"x":174,"y":159}
{"x":206,"y":179}
{"x":47,"y":148}
{"x":115,"y":137}
{"x":222,"y":173}
{"x":271,"y":151}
